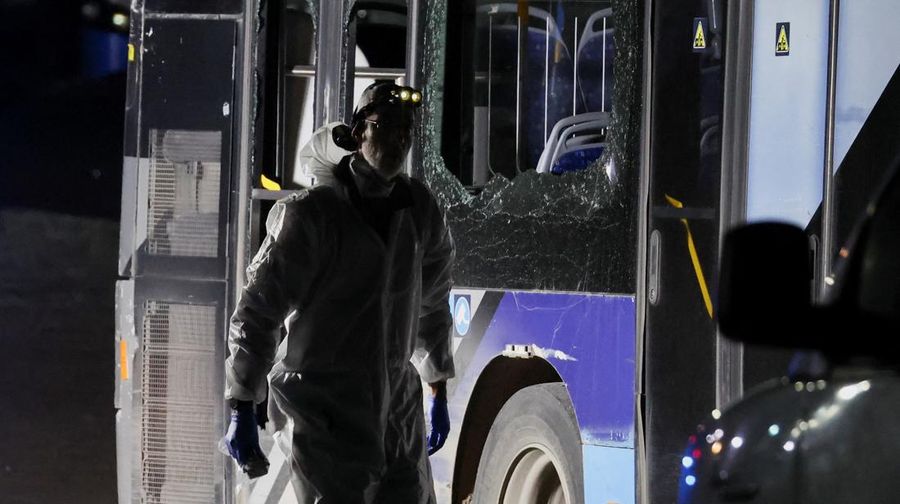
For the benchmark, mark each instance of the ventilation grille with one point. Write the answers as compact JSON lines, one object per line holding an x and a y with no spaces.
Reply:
{"x":185,"y":174}
{"x":178,"y":412}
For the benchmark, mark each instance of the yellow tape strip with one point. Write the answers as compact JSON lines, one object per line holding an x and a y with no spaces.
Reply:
{"x":123,"y":359}
{"x":697,"y":269}
{"x":695,"y":258}
{"x":269,"y":184}
{"x":674,"y":202}
{"x":130,"y":52}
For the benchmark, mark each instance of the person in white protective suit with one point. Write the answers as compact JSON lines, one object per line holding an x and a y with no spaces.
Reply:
{"x":359,"y":265}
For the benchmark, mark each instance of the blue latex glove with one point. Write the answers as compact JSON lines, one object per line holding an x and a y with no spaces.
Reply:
{"x":440,"y":423}
{"x":242,"y":440}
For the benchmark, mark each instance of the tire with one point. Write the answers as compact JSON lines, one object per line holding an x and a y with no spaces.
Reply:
{"x":533,"y":451}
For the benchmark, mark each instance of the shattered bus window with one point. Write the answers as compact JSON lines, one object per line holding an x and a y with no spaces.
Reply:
{"x":535,"y":152}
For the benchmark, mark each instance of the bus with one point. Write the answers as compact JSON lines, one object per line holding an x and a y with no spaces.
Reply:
{"x":589,"y":156}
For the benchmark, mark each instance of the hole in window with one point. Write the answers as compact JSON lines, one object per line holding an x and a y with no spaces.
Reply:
{"x":531,"y":97}
{"x":539,"y":141}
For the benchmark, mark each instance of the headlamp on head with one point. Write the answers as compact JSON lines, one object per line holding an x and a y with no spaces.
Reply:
{"x":407,"y":96}
{"x":402,"y":95}
{"x":384,"y":93}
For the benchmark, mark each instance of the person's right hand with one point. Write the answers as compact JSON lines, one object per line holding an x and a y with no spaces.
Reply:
{"x":242,"y":440}
{"x":440,"y":424}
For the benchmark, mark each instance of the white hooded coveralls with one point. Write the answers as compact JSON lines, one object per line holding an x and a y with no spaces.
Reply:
{"x":360,"y":309}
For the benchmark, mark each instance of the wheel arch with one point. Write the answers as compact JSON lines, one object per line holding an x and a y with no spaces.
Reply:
{"x":499,"y":380}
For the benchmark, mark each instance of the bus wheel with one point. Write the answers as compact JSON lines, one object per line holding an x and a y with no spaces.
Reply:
{"x":533,"y":452}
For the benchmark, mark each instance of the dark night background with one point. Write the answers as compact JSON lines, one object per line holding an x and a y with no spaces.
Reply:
{"x":62,"y":93}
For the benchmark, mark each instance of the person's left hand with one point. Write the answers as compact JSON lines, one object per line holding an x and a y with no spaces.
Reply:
{"x":440,"y":423}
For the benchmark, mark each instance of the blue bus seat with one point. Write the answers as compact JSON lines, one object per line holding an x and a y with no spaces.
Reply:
{"x":578,"y":159}
{"x":596,"y":51}
{"x":591,"y":124}
{"x":540,"y":60}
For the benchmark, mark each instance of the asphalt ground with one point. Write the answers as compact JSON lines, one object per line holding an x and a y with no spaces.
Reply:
{"x":57,"y":357}
{"x":60,"y":178}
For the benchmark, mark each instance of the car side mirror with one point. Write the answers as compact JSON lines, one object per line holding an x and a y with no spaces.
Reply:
{"x":764,"y":286}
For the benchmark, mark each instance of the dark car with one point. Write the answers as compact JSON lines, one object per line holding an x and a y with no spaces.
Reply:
{"x":828,"y":433}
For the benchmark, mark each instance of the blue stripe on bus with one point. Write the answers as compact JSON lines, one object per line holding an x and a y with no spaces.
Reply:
{"x":590,"y":340}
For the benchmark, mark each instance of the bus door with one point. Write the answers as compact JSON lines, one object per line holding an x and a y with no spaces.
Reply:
{"x":821,"y":129}
{"x":316,"y":57}
{"x":174,"y":248}
{"x":312,"y":76}
{"x":685,"y":120}
{"x":772,"y":127}
{"x":786,"y":135}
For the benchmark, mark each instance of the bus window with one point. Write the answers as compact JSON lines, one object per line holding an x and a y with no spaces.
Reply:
{"x":533,"y":143}
{"x":377,"y":32}
{"x":380,"y":33}
{"x":289,"y":47}
{"x":516,"y":86}
{"x":298,"y":48}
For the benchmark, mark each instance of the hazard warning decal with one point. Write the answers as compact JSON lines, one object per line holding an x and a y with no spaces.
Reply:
{"x":782,"y":39}
{"x":699,"y":32}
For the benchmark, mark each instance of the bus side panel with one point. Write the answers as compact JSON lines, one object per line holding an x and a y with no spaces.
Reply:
{"x":588,"y":339}
{"x":590,"y":342}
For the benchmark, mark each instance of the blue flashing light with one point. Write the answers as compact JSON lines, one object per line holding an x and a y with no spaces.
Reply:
{"x":690,"y":480}
{"x":687,"y":462}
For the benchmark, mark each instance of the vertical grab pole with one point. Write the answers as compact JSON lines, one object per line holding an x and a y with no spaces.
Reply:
{"x":489,"y":88}
{"x":329,"y":50}
{"x":415,"y":33}
{"x":546,"y":75}
{"x":603,"y":78}
{"x":414,"y":30}
{"x":825,"y":255}
{"x":521,"y":48}
{"x":575,"y":72}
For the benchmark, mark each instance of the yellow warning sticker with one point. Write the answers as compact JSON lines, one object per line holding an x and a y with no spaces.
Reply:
{"x":130,"y":52}
{"x":699,"y":34}
{"x":782,"y":39}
